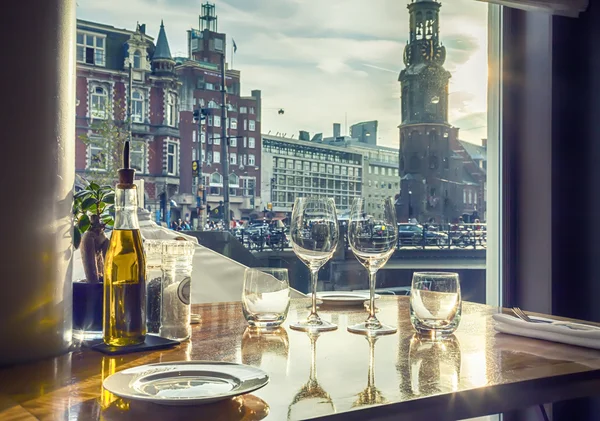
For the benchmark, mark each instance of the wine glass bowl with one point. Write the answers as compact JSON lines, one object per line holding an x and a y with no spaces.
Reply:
{"x":314,"y":235}
{"x":373,"y":240}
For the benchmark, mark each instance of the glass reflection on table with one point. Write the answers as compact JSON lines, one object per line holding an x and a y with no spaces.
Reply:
{"x":311,"y":400}
{"x":266,"y":349}
{"x":371,"y":395}
{"x":434,"y":364}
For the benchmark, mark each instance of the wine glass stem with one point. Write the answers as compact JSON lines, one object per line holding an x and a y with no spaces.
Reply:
{"x":314,"y":275}
{"x":372,"y":281}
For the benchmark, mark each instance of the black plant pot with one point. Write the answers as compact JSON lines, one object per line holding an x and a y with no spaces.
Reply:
{"x":88,"y":301}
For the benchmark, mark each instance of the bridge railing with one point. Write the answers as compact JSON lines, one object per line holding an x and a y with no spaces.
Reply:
{"x":425,"y":236}
{"x":443,"y":236}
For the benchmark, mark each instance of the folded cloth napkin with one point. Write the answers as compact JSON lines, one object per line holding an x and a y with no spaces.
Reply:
{"x":555,"y":331}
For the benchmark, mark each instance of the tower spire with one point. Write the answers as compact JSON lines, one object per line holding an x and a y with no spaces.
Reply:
{"x":162,"y":61}
{"x":162,"y":45}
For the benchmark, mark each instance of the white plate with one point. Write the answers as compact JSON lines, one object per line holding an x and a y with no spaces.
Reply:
{"x":343,"y":298}
{"x":186,"y":382}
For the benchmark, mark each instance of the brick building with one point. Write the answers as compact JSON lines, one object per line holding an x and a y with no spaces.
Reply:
{"x":104,"y":54}
{"x":202,"y":84}
{"x":438,"y":178}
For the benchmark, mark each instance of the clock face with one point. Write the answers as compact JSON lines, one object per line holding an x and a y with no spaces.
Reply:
{"x":440,"y":53}
{"x":407,"y":55}
{"x":428,"y":50}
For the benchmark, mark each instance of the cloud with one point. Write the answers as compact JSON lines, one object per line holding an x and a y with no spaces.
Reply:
{"x":323,"y":61}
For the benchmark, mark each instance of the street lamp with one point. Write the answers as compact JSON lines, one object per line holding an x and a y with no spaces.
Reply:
{"x":199,"y":116}
{"x":410,"y":210}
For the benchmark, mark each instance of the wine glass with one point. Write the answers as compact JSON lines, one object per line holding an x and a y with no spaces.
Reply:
{"x":314,"y":236}
{"x":373,"y":241}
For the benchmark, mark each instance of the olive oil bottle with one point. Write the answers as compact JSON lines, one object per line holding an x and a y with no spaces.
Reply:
{"x":125,"y":268}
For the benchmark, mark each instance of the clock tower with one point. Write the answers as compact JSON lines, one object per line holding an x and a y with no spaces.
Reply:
{"x":424,"y":81}
{"x":425,"y":136}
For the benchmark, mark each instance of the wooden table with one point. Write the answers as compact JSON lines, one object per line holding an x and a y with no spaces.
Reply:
{"x":477,"y":372}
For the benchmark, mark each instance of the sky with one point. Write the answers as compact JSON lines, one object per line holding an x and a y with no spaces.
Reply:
{"x":325,"y":61}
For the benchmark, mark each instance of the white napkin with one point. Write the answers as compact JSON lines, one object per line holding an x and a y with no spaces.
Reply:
{"x":554,"y":332}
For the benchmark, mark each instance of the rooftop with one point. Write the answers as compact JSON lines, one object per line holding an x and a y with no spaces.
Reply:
{"x":476,"y":152}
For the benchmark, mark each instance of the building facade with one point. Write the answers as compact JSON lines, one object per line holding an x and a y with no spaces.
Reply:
{"x":297,"y":168}
{"x":380,"y":171}
{"x":201,"y":89}
{"x":104,"y":55}
{"x":435,"y":184}
{"x":365,"y":132}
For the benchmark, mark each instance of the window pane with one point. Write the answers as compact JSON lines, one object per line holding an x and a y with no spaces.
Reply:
{"x":399,"y":120}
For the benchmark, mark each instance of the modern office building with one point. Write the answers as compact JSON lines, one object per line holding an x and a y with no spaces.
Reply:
{"x":298,"y":168}
{"x":380,"y":171}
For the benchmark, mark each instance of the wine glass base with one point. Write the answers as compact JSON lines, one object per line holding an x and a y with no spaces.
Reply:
{"x":321,"y":326}
{"x":365,"y":329}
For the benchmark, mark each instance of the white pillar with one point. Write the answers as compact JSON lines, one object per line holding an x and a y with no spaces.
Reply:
{"x":38,"y":168}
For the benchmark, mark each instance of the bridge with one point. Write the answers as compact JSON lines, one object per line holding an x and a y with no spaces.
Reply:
{"x":345,"y":273}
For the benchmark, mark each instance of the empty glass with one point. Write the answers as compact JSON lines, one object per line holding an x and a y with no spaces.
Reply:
{"x":314,"y":234}
{"x":435,"y":303}
{"x":373,"y":241}
{"x":266,"y":297}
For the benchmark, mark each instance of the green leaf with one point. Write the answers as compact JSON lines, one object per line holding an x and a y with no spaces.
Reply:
{"x":88,"y":204}
{"x":76,"y":238}
{"x":84,"y":223}
{"x":94,"y":187}
{"x":82,"y":194}
{"x":109,"y":198}
{"x":110,"y":223}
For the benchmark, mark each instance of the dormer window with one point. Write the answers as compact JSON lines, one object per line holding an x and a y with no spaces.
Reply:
{"x":91,"y":49}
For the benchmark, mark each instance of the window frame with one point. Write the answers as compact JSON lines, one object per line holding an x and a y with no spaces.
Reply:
{"x":95,"y":112}
{"x":94,"y":47}
{"x":175,"y":158}
{"x":138,"y":102}
{"x":171,"y":109}
{"x":142,"y":169}
{"x":96,"y":144}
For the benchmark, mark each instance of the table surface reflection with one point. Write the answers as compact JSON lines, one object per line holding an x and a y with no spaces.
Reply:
{"x":336,"y":375}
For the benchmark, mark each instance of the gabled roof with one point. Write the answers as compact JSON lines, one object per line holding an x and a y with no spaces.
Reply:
{"x":162,"y":50}
{"x":476,"y":152}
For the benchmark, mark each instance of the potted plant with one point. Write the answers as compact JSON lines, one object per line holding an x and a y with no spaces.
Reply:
{"x":93,"y":210}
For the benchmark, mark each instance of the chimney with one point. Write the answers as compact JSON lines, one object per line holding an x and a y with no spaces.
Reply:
{"x":484,"y":143}
{"x":337,"y":129}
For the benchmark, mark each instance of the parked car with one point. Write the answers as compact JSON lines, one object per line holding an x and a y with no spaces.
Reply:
{"x":412,"y":235}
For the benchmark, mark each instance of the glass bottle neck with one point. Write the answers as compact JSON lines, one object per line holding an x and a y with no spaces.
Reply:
{"x":126,"y":207}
